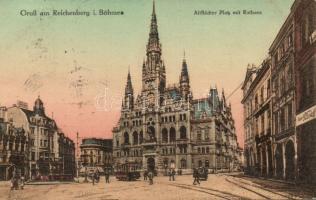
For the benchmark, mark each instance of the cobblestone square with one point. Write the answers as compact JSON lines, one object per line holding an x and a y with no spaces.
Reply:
{"x":218,"y":186}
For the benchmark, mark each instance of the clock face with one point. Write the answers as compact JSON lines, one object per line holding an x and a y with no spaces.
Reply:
{"x":151,"y":99}
{"x":150,"y":84}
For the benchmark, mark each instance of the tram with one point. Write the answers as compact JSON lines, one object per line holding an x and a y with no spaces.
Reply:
{"x":129,"y":171}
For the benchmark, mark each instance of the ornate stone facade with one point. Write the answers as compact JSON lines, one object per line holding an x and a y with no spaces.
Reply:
{"x":165,"y":127}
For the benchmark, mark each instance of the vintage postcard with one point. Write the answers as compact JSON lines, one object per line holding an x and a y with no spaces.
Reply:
{"x":157,"y":99}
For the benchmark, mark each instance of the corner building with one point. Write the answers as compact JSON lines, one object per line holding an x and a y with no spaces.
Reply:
{"x":165,"y":127}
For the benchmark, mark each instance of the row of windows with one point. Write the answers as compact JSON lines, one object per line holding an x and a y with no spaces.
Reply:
{"x":135,"y":152}
{"x":284,"y":118}
{"x":283,"y":48}
{"x":137,"y":122}
{"x":260,"y":97}
{"x":203,"y":150}
{"x":168,"y":151}
{"x":16,"y":147}
{"x":171,"y":119}
{"x":284,"y":80}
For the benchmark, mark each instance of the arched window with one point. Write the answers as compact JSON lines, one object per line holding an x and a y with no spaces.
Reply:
{"x":141,"y":137}
{"x":199,"y":150}
{"x":172,"y":134}
{"x":203,"y":150}
{"x":164,"y":135}
{"x":207,"y":150}
{"x":126,"y":138}
{"x":151,"y":133}
{"x":183,"y":132}
{"x":135,"y":138}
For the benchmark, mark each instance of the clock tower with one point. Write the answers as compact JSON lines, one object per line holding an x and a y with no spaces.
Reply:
{"x":153,"y":73}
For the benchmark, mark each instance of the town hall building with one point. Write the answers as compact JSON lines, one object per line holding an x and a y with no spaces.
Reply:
{"x":165,"y":127}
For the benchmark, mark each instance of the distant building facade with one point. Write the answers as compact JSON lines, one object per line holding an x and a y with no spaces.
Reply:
{"x":48,"y":152}
{"x":165,"y":127}
{"x":96,"y":152}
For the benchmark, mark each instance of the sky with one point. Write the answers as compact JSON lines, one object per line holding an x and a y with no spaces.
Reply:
{"x":78,"y":64}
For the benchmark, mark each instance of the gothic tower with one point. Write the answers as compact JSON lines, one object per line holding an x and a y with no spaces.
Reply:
{"x":154,"y":75}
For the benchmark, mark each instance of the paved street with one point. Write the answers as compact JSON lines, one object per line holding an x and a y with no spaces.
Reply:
{"x":218,"y":186}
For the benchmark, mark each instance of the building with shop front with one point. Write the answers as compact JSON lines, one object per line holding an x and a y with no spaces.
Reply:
{"x":96,"y":152}
{"x":50,"y":154}
{"x":165,"y":127}
{"x":293,"y":95}
{"x":305,"y":65}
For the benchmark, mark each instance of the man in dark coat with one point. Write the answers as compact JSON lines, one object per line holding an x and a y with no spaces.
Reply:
{"x":196,"y":176}
{"x":170,"y":174}
{"x":107,"y":176}
{"x":145,"y":175}
{"x":151,"y":177}
{"x":173,"y":173}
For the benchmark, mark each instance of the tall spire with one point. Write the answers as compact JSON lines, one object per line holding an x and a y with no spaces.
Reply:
{"x":184,"y":77}
{"x":153,"y":41}
{"x":129,"y":87}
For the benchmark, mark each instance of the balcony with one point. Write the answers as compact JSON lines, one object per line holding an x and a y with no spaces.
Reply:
{"x":125,"y":145}
{"x":182,"y":141}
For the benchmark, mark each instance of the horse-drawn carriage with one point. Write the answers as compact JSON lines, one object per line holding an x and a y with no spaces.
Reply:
{"x":128,"y":171}
{"x":203,"y":173}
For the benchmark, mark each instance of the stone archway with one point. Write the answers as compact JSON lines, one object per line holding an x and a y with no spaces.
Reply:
{"x":279,"y":161}
{"x":289,"y":160}
{"x":151,"y":164}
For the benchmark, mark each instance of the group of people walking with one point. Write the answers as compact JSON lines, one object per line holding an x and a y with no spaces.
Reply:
{"x":95,"y":176}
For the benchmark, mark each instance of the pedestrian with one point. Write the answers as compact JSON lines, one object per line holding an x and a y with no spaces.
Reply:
{"x":173,"y":172}
{"x":196,"y":177}
{"x":170,"y":174}
{"x":145,"y":175}
{"x":107,"y":176}
{"x":151,"y":177}
{"x":93,"y":178}
{"x":22,"y":182}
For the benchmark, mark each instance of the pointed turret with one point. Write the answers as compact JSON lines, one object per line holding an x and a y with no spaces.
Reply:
{"x":184,"y":79}
{"x":129,"y":93}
